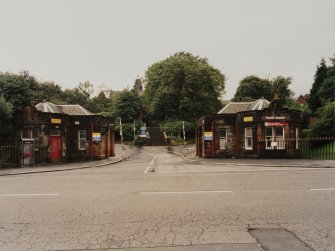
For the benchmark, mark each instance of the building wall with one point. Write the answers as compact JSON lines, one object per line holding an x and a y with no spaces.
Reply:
{"x":238,"y":145}
{"x":30,"y":123}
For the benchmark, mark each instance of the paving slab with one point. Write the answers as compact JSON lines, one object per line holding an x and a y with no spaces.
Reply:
{"x":278,"y":239}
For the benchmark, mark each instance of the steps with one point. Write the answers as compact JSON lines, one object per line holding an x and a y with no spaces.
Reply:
{"x":156,"y":137}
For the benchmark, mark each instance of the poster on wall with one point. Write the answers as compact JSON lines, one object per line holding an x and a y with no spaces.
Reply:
{"x":96,"y":136}
{"x":208,"y":136}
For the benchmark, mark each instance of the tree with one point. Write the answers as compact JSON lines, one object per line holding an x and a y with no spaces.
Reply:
{"x":50,"y":92}
{"x":326,"y":91}
{"x":280,"y":86}
{"x":17,"y":89}
{"x":319,"y":77}
{"x":127,"y":105}
{"x":184,"y":87}
{"x":325,"y":125}
{"x":252,"y":88}
{"x":5,"y":119}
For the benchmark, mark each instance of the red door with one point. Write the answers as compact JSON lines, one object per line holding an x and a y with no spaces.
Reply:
{"x":55,"y":148}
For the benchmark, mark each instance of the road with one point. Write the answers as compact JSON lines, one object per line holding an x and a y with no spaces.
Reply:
{"x":125,"y":206}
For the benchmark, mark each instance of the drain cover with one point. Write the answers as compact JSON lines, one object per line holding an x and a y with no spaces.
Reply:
{"x":278,"y":239}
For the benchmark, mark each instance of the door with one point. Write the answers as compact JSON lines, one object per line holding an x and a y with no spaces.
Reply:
{"x":55,"y":143}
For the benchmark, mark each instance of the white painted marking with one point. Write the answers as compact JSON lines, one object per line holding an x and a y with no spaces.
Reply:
{"x":28,"y":194}
{"x":185,"y":192}
{"x":322,"y":189}
{"x":241,"y":170}
{"x":151,"y":164}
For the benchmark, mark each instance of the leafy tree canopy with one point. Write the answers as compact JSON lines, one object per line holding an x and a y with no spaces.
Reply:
{"x":253,"y":87}
{"x":183,"y":87}
{"x":127,"y":105}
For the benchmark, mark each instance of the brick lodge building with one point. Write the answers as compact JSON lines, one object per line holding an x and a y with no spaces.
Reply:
{"x":58,"y":133}
{"x":250,"y":129}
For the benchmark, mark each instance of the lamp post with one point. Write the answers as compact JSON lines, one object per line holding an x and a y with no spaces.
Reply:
{"x":122,"y":147}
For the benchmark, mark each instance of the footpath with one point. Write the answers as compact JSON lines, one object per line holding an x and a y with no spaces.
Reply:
{"x":188,"y":153}
{"x":129,"y":150}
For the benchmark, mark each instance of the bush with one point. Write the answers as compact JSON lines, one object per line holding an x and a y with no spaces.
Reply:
{"x":139,"y":141}
{"x":175,"y":129}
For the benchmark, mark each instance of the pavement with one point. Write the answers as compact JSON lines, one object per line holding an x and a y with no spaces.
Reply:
{"x":187,"y":152}
{"x":129,"y":151}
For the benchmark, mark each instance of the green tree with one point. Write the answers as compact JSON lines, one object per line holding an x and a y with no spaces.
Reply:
{"x":50,"y":92}
{"x":17,"y":89}
{"x":184,"y":87}
{"x":5,"y":120}
{"x":252,"y":88}
{"x":326,"y":91}
{"x":127,"y":105}
{"x":325,"y":125}
{"x":320,"y":75}
{"x":280,"y":86}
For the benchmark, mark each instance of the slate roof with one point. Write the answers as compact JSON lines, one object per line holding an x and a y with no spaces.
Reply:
{"x":235,"y":107}
{"x":64,"y":109}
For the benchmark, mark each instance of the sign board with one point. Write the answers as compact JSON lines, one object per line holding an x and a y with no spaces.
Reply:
{"x":275,"y":117}
{"x":76,"y":122}
{"x":56,"y":121}
{"x":96,"y":136}
{"x":208,"y":136}
{"x":143,"y":132}
{"x":248,"y":119}
{"x":275,"y":124}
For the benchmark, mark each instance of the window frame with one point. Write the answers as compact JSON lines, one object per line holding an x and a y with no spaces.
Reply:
{"x":276,"y":142}
{"x":81,"y":140}
{"x":246,"y":137}
{"x":223,"y":139}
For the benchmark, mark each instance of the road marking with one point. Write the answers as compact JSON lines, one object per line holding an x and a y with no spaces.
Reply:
{"x":322,"y":189}
{"x":28,"y":194}
{"x":184,"y":192}
{"x":151,"y":165}
{"x":246,"y":170}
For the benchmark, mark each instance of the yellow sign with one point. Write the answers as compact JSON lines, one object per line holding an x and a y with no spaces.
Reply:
{"x":96,"y":136}
{"x":248,"y":119}
{"x":56,"y":121}
{"x":208,"y":135}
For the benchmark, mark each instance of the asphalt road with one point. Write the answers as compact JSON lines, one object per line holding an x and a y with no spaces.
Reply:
{"x":125,"y":206}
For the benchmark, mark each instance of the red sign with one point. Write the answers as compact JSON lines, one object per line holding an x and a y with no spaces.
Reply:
{"x":279,"y":124}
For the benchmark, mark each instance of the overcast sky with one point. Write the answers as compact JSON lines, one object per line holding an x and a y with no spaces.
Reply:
{"x":112,"y":42}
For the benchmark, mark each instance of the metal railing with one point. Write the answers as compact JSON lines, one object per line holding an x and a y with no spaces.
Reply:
{"x":9,"y":156}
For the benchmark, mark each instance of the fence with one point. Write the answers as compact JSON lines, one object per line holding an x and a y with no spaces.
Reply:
{"x":9,"y":156}
{"x":304,"y":148}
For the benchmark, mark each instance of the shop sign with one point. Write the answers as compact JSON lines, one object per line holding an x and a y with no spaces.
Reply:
{"x":248,"y":119}
{"x":275,"y":117}
{"x":208,"y":136}
{"x":96,"y":136}
{"x":56,"y":121}
{"x":278,"y":124}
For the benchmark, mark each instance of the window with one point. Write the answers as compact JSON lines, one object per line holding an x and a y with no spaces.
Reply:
{"x":274,"y":138}
{"x":223,"y":138}
{"x":297,"y":138}
{"x":248,"y":144}
{"x":82,"y":140}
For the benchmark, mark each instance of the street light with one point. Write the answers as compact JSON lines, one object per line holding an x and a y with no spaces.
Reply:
{"x":122,"y":147}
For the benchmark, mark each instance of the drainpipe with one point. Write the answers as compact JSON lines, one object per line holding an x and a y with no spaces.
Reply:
{"x":92,"y":153}
{"x":236,"y":139}
{"x":212,"y":138}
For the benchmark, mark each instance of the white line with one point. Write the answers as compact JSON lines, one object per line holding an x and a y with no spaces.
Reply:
{"x":323,"y":189}
{"x":241,"y":170}
{"x":185,"y":192}
{"x":28,"y":194}
{"x":151,"y":164}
